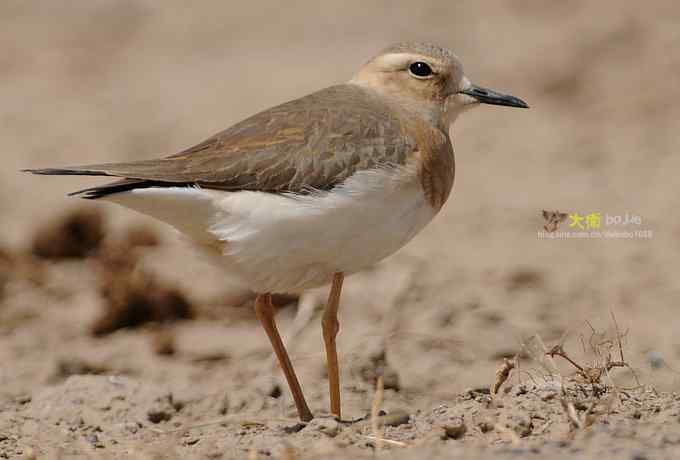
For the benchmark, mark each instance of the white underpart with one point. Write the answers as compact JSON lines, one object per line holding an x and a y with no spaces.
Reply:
{"x":288,"y":243}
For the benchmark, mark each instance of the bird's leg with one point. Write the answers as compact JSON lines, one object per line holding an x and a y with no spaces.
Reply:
{"x":331,"y":327}
{"x":265,"y":313}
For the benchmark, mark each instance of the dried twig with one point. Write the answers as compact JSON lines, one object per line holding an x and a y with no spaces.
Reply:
{"x":618,"y":335}
{"x":380,"y":440}
{"x":623,"y":362}
{"x":583,"y":343}
{"x":572,"y":415}
{"x":503,"y":373}
{"x":375,"y":413}
{"x":558,"y":350}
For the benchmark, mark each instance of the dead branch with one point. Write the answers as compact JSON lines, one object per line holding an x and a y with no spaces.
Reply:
{"x":375,"y":413}
{"x":503,"y":373}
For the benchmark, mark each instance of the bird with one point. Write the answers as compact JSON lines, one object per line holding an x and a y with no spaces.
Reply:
{"x":305,"y":193}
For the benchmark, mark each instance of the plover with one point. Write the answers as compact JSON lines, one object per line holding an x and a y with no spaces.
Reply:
{"x":307,"y":192}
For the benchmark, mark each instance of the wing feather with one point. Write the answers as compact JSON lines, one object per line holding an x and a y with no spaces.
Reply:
{"x":314,"y":142}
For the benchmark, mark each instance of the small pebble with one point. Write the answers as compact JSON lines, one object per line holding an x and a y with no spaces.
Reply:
{"x":485,"y":426}
{"x":327,"y":426}
{"x":397,"y":418}
{"x":455,"y":431}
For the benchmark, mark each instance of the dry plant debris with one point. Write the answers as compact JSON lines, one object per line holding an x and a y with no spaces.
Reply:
{"x":376,"y":428}
{"x":133,"y":299}
{"x":601,"y":347}
{"x":74,"y":235}
{"x":503,"y":373}
{"x":455,"y":431}
{"x":525,"y":278}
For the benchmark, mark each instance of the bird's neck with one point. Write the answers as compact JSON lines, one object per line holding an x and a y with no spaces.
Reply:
{"x":433,"y":112}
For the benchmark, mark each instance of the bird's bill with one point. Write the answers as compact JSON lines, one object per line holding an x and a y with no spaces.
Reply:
{"x":488,"y":96}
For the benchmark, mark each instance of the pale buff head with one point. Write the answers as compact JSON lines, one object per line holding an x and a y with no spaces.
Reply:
{"x":428,"y":79}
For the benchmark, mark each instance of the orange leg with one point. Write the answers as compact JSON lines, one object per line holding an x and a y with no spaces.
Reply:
{"x":331,"y":327}
{"x":265,"y":313}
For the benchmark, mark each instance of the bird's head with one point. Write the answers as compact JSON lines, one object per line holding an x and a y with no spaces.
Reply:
{"x":428,"y":79}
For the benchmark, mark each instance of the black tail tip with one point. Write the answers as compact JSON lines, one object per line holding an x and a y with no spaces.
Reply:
{"x":88,"y":194}
{"x":51,"y":172}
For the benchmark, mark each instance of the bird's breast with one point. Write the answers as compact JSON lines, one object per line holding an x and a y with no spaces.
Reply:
{"x":435,"y":163}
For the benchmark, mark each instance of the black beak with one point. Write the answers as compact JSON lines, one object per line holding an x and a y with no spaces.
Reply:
{"x":487,"y":96}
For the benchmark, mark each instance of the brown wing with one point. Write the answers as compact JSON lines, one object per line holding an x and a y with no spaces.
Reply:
{"x":316,"y":141}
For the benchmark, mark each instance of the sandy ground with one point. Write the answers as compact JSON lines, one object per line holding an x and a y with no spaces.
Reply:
{"x":191,"y":375}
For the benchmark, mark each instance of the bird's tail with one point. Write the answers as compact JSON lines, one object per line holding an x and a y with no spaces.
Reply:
{"x":71,"y":171}
{"x":93,"y":193}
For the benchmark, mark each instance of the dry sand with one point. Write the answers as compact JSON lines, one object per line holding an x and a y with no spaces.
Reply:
{"x":103,"y":80}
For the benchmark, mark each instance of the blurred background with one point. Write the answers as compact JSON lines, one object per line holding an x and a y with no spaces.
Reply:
{"x":96,"y":81}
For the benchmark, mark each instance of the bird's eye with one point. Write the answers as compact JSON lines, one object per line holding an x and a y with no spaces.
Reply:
{"x":420,"y":70}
